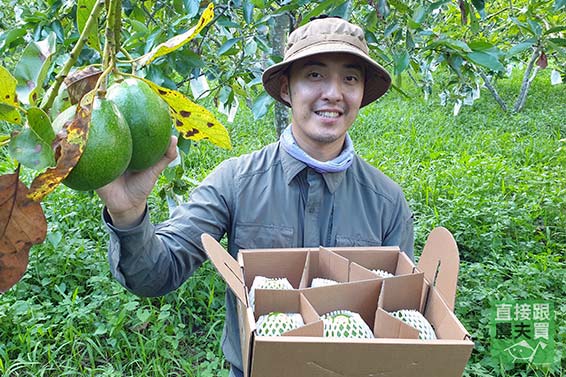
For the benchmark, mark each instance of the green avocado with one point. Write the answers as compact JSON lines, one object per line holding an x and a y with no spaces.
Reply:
{"x":149,"y":120}
{"x":108,"y":148}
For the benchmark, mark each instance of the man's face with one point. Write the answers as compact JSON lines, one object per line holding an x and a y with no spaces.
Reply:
{"x":325,"y":92}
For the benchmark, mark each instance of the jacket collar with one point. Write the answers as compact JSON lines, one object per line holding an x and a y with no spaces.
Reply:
{"x":292,"y":167}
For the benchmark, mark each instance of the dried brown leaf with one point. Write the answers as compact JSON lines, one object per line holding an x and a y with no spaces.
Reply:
{"x":81,"y":82}
{"x":68,"y":150}
{"x":22,"y":225}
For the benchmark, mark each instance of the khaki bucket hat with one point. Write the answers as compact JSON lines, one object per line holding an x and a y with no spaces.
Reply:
{"x":325,"y":35}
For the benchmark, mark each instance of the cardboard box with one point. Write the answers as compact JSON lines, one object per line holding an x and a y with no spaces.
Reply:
{"x":429,"y":287}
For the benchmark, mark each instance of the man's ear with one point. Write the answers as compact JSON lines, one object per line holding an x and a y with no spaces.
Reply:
{"x":284,"y":90}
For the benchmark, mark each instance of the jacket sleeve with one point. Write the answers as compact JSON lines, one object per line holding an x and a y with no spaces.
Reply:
{"x":401,"y":230}
{"x":152,"y":260}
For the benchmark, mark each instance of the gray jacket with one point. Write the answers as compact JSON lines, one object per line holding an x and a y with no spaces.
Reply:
{"x":265,"y":199}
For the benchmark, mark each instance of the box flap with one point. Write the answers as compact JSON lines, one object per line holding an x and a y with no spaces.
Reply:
{"x":443,"y":319}
{"x":246,"y":324}
{"x":227,"y":266}
{"x":440,"y":262}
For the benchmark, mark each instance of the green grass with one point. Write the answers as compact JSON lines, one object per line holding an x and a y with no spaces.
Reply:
{"x":495,"y":180}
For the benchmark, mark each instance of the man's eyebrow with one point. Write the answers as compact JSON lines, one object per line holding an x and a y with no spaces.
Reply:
{"x":316,"y":63}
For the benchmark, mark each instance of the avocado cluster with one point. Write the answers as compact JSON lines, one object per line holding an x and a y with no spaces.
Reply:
{"x":130,"y":129}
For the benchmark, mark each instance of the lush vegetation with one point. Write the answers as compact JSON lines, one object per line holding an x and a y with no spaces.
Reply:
{"x":496,"y":180}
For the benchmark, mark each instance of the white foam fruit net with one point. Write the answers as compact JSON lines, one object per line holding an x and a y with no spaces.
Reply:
{"x":415,"y":319}
{"x":345,"y":324}
{"x":277,"y":323}
{"x":261,"y":282}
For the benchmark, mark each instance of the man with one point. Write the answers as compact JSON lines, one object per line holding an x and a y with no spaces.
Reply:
{"x":307,"y":189}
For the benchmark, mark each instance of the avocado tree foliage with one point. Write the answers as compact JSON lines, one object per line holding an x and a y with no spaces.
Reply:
{"x":33,"y":96}
{"x":450,"y":49}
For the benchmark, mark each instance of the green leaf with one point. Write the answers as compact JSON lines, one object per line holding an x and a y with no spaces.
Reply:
{"x":383,"y":8}
{"x":7,"y":37}
{"x":84,"y":8}
{"x":342,"y":10}
{"x":39,"y":121}
{"x":409,"y":42}
{"x":419,"y":14}
{"x":30,"y":150}
{"x":192,"y":7}
{"x":485,"y":60}
{"x":455,"y":62}
{"x":184,"y":144}
{"x":456,"y":45}
{"x":261,"y":105}
{"x":400,"y":62}
{"x":555,"y":29}
{"x":520,"y":47}
{"x":479,"y":45}
{"x":389,"y":29}
{"x":248,"y":9}
{"x":400,"y":6}
{"x":143,"y":315}
{"x":250,"y":48}
{"x":321,"y":8}
{"x":557,"y":49}
{"x":535,"y":27}
{"x":139,"y":27}
{"x":522,"y":26}
{"x":559,"y":41}
{"x":437,"y":5}
{"x":480,"y":7}
{"x":559,"y":4}
{"x":227,"y":46}
{"x":32,"y":69}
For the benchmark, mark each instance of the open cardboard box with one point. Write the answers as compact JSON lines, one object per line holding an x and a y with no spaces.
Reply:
{"x":429,"y":287}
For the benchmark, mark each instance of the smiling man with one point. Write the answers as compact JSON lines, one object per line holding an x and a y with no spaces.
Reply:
{"x":308,"y":189}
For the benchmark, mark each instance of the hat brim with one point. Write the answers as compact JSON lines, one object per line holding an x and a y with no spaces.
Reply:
{"x":377,"y":79}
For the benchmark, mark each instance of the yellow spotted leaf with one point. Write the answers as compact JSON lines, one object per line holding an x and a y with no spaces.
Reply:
{"x":191,"y":120}
{"x":69,"y":146}
{"x":8,"y":99}
{"x":178,"y":40}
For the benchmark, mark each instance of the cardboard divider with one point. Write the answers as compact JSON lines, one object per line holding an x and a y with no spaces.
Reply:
{"x":402,"y":292}
{"x":359,"y":297}
{"x":289,"y":301}
{"x":275,"y":264}
{"x":324,"y":264}
{"x":385,"y":258}
{"x":399,"y":292}
{"x":387,"y":326}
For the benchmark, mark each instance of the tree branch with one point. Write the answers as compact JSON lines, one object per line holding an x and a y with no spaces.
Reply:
{"x":110,"y":48}
{"x":493,"y":91}
{"x":527,"y":80}
{"x":90,"y":23}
